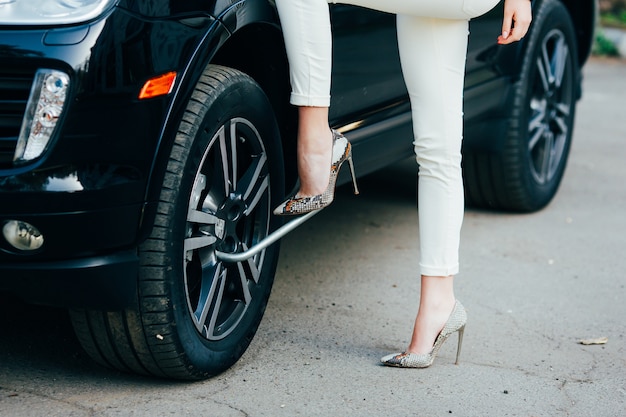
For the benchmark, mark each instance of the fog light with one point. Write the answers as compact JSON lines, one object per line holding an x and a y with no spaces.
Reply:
{"x":45,"y":105}
{"x":22,"y":235}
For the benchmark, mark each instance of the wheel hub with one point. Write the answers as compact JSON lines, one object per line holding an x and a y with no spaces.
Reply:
{"x":551,"y":106}
{"x":229,"y":215}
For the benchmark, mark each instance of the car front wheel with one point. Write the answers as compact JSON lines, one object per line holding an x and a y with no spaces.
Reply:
{"x":196,"y":314}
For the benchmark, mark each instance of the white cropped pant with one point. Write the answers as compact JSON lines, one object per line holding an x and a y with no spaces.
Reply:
{"x":432,"y":40}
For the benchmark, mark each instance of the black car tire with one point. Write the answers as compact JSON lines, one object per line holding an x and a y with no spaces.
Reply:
{"x":195,"y":314}
{"x":525,"y":174}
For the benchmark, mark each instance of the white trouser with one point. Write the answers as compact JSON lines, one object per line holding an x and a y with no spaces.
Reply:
{"x":432,"y":40}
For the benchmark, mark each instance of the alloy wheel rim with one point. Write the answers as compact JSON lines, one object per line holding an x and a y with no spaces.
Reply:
{"x":550,"y":107}
{"x":229,"y":211}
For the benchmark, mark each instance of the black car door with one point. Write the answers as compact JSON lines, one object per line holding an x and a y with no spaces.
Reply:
{"x":366,"y":66}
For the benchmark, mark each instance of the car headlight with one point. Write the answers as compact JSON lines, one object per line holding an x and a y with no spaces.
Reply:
{"x":51,"y":12}
{"x":45,"y":104}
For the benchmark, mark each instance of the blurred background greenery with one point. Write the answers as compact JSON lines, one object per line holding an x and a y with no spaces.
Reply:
{"x":612,"y":21}
{"x":613,"y":13}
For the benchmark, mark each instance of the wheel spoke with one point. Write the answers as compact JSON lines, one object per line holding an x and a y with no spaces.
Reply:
{"x":537,"y":134}
{"x":207,"y":295}
{"x":252,"y":268}
{"x":203,"y":218}
{"x":563,"y":110}
{"x":213,"y":304}
{"x":199,"y":242}
{"x":556,"y":154}
{"x":560,"y":56}
{"x":199,"y":186}
{"x":561,"y":123}
{"x":548,"y":65}
{"x":228,"y":157}
{"x":254,"y":183}
{"x":243,"y":280}
{"x":544,"y":72}
{"x":546,"y":156}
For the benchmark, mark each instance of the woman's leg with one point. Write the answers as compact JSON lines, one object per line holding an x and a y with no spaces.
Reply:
{"x":306,"y":27}
{"x":432,"y":53}
{"x":308,"y":41}
{"x":314,"y":150}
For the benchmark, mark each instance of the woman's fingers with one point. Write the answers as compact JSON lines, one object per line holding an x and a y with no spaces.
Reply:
{"x":516,"y":21}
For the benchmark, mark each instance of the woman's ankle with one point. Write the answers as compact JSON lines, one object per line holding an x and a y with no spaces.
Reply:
{"x":437,"y":293}
{"x":315,"y":144}
{"x":437,"y":301}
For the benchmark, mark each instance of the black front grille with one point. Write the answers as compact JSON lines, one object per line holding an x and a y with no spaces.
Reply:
{"x":15,"y":88}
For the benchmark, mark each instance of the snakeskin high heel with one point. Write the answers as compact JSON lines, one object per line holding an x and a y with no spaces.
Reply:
{"x":342,"y":151}
{"x":456,"y":323}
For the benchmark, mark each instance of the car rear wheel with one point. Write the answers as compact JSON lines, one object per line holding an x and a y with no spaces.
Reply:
{"x":195,"y":314}
{"x":525,"y":174}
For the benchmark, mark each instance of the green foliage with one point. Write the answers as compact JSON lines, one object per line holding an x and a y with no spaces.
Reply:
{"x":617,"y":19}
{"x":603,"y":46}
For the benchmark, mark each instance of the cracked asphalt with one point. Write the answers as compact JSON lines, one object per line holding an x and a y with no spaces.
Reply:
{"x":346,"y":291}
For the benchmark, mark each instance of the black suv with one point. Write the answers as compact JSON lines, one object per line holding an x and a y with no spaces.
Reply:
{"x":144,"y":143}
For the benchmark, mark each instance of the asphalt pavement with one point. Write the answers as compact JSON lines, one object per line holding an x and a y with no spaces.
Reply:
{"x":346,"y":293}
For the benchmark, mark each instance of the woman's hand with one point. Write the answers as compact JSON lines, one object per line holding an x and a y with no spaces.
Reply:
{"x":517,"y":17}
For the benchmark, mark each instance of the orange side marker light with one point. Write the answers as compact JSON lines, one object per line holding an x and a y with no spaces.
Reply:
{"x":158,"y":86}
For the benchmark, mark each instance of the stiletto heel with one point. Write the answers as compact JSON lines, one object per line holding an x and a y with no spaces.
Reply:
{"x":342,"y":151}
{"x":458,"y":348}
{"x":456,"y":323}
{"x":351,"y":165}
